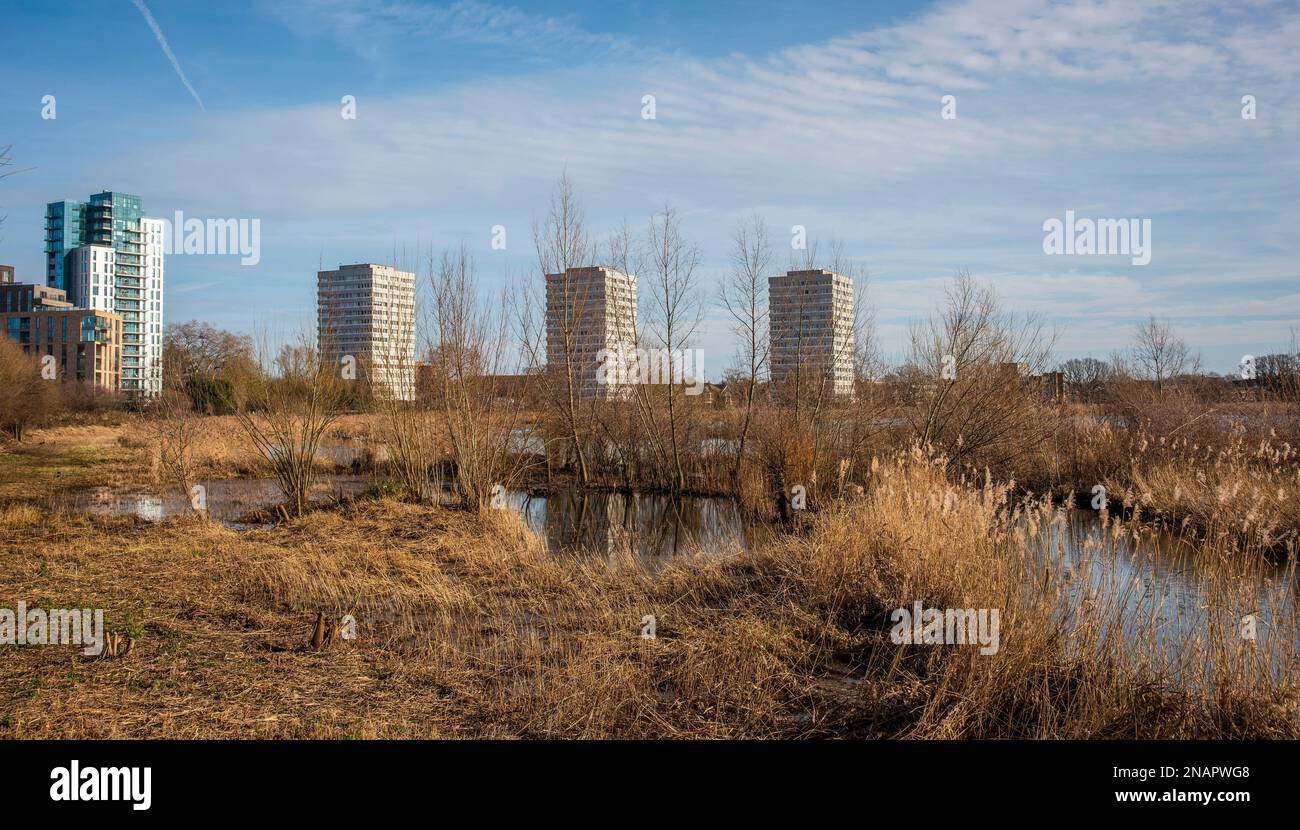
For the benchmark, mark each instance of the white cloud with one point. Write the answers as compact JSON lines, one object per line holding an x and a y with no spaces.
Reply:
{"x":1115,"y":108}
{"x":376,"y":29}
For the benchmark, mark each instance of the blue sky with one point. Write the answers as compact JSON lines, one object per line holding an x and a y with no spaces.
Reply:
{"x":823,"y":115}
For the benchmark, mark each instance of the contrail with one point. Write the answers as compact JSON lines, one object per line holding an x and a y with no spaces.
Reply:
{"x":167,"y":50}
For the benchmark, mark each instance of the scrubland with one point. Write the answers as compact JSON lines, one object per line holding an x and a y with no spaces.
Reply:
{"x":948,"y":481}
{"x":468,"y":627}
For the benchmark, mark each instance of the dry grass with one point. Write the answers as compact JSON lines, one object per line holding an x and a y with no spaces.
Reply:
{"x":468,"y":628}
{"x":125,"y":454}
{"x":1063,"y":670}
{"x":1249,"y":490}
{"x":72,"y":456}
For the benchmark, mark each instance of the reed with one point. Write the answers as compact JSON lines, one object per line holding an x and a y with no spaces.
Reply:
{"x":468,"y":627}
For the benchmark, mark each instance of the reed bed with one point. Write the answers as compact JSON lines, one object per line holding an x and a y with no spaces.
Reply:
{"x":468,"y":627}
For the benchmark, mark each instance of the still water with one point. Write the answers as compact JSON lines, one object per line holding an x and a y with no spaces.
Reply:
{"x":646,"y":524}
{"x":1163,"y":588}
{"x":1157,"y":582}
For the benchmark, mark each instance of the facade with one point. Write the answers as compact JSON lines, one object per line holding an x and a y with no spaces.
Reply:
{"x":368,"y":311}
{"x":811,"y":324}
{"x":107,"y":255}
{"x":1053,"y":385}
{"x":6,"y":274}
{"x":589,"y":310}
{"x":92,"y":276}
{"x":64,"y":230}
{"x":20,"y":296}
{"x":86,"y":344}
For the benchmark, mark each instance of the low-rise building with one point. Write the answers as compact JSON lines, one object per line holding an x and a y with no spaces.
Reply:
{"x":21,"y":296}
{"x":85,"y":344}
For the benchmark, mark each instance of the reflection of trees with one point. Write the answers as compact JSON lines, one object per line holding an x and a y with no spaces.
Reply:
{"x":647,"y":526}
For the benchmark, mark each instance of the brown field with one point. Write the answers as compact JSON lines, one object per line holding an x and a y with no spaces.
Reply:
{"x":468,"y":628}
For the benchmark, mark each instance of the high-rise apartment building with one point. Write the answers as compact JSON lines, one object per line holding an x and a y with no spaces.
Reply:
{"x":107,"y":255}
{"x":587,"y":310}
{"x":367,"y":311}
{"x":811,"y":325}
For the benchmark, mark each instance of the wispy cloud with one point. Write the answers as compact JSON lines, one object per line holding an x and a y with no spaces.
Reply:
{"x":858,"y":115}
{"x":370,"y":28}
{"x":167,"y":50}
{"x":1110,"y":107}
{"x":186,"y":289}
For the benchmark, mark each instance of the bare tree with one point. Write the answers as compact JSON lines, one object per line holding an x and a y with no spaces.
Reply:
{"x":197,"y":348}
{"x":675,"y":314}
{"x":174,"y":429}
{"x":561,"y":243}
{"x":24,"y":394}
{"x":286,"y":416}
{"x":205,"y":362}
{"x":404,"y":404}
{"x":469,"y":351}
{"x":744,"y":295}
{"x":1086,"y":377}
{"x":970,"y":365}
{"x":1159,"y":354}
{"x":1279,"y":373}
{"x":6,"y":161}
{"x":625,"y":428}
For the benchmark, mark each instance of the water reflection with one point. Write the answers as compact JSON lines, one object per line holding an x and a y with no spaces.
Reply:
{"x":1167,"y":592}
{"x":228,"y":500}
{"x":648,"y":525}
